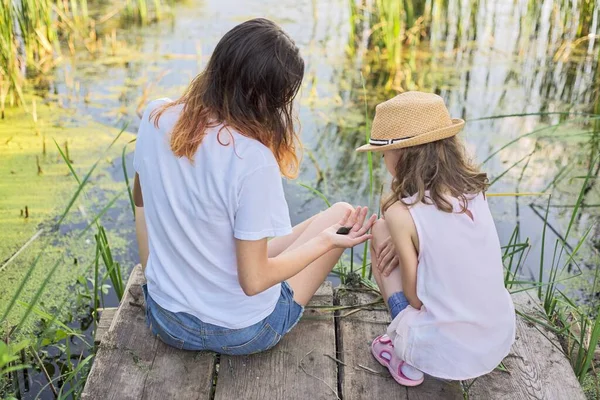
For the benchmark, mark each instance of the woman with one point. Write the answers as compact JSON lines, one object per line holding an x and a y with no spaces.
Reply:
{"x":208,"y":187}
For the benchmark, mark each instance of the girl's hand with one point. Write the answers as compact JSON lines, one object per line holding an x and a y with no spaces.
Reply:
{"x":355,"y":221}
{"x":386,"y":257}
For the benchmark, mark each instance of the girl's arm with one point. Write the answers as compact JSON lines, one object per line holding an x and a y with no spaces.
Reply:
{"x":140,"y":222}
{"x":402,"y":229}
{"x":257,"y":272}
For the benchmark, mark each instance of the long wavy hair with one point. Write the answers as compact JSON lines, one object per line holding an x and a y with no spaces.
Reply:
{"x":440,"y":167}
{"x":249,"y":85}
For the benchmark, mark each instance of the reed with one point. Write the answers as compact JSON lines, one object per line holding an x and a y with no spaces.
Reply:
{"x":36,"y":27}
{"x":144,"y":12}
{"x":393,"y":26}
{"x":113,"y":269}
{"x":11,"y":77}
{"x":30,"y":29}
{"x":27,"y":36}
{"x":370,"y":170}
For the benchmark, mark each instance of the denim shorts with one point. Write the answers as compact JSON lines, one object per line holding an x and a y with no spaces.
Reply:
{"x":397,"y":303}
{"x":184,"y":331}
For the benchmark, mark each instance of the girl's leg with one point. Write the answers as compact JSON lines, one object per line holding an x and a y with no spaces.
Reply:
{"x":388,"y":285}
{"x":306,"y":282}
{"x":392,"y":283}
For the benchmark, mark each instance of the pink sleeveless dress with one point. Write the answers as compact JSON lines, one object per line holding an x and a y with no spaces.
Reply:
{"x":467,"y":323}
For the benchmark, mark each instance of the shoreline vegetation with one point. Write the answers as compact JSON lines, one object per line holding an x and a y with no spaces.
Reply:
{"x":63,"y":236}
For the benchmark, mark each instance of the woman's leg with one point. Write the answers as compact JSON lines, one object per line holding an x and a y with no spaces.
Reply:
{"x":306,"y":282}
{"x":277,"y":245}
{"x":392,"y":283}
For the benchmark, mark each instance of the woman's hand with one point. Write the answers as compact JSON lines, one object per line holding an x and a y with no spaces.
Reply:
{"x":359,"y":228}
{"x":386,"y":257}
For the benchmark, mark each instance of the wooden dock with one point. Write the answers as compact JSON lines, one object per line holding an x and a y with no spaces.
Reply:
{"x":326,"y":356}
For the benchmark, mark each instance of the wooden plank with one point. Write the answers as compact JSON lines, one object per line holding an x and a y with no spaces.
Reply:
{"x":132,"y":364}
{"x":127,"y":350}
{"x":297,"y":368}
{"x":179,"y":374}
{"x":538,"y":368}
{"x":356,"y":331}
{"x":106,"y":317}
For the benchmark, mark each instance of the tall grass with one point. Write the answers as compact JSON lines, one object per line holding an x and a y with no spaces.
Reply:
{"x":11,"y":77}
{"x":113,"y":269}
{"x":30,"y":29}
{"x":393,"y":26}
{"x":34,"y":18}
{"x":144,"y":11}
{"x":27,"y":36}
{"x":370,"y":170}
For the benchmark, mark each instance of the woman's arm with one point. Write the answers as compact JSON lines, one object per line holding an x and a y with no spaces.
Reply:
{"x":402,"y":228}
{"x":140,"y":222}
{"x":257,"y":272}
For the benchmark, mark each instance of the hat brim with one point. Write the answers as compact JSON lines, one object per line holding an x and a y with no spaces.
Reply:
{"x":433,"y":136}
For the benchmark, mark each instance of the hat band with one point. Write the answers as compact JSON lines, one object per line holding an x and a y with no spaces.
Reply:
{"x":385,"y":142}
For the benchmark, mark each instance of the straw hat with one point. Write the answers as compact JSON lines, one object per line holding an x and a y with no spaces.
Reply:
{"x":411,"y":119}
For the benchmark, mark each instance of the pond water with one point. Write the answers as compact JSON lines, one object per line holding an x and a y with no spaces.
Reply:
{"x":486,"y":58}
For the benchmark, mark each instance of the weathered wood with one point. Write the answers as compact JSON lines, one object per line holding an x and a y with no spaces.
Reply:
{"x":127,"y":350}
{"x":297,"y":368}
{"x":178,"y":374}
{"x":132,"y":364}
{"x":356,"y":331}
{"x":537,"y":367}
{"x":106,"y":317}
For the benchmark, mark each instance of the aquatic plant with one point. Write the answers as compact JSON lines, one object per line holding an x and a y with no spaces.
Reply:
{"x":36,"y":28}
{"x":11,"y":78}
{"x":30,"y":29}
{"x":144,"y":11}
{"x":53,"y":332}
{"x":392,"y":25}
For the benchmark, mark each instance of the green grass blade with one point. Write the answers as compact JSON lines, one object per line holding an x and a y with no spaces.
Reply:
{"x":553,"y":128}
{"x":317,"y":192}
{"x":67,"y":161}
{"x":126,"y":176}
{"x":24,"y":281}
{"x":580,"y":198}
{"x":530,"y":114}
{"x":102,"y":212}
{"x":496,"y":179}
{"x":542,"y":250}
{"x":38,"y":294}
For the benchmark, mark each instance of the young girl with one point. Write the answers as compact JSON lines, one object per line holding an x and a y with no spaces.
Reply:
{"x":436,"y":254}
{"x":208,"y":195}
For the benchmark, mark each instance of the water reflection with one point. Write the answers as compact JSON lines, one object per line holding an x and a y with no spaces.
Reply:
{"x":484,"y":57}
{"x":488,"y":58}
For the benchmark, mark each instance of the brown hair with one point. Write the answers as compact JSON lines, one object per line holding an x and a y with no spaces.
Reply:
{"x":249,"y":85}
{"x":442,"y":168}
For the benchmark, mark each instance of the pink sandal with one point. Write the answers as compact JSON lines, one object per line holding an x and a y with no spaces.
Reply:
{"x":383,"y":351}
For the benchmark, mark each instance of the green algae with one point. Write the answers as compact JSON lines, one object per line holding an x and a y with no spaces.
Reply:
{"x":34,"y":177}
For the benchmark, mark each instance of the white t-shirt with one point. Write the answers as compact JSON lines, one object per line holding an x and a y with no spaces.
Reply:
{"x":195,"y":210}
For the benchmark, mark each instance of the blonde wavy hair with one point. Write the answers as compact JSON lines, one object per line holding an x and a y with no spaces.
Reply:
{"x":440,"y":167}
